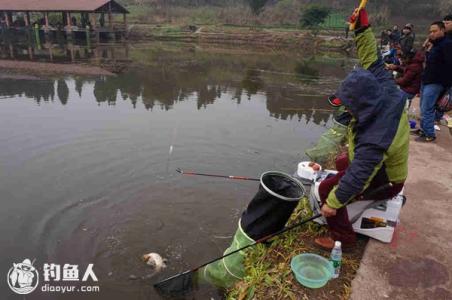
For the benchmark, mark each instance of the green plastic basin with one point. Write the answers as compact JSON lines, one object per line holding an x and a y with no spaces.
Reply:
{"x":311,"y":270}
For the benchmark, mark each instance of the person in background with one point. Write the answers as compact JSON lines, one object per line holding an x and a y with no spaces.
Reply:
{"x":411,"y":70}
{"x":448,"y":24}
{"x":411,"y":26}
{"x":378,"y":139}
{"x":406,"y":40}
{"x":436,"y":78}
{"x":392,"y":56}
{"x":384,"y":39}
{"x":395,"y":35}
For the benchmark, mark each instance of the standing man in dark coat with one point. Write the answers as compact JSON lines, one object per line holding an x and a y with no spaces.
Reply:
{"x":436,"y":78}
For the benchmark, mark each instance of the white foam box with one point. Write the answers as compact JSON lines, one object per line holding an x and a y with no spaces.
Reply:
{"x":391,"y":214}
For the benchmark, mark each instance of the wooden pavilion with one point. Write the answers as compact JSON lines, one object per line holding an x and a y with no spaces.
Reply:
{"x":20,"y":14}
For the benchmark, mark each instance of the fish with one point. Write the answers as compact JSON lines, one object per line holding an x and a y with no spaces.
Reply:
{"x":155,"y":260}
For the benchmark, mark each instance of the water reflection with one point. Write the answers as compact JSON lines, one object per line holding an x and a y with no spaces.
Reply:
{"x":100,"y":54}
{"x":39,"y":90}
{"x":282,"y":103}
{"x":161,"y":75}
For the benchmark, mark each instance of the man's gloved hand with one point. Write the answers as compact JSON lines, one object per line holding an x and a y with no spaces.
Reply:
{"x":361,"y":19}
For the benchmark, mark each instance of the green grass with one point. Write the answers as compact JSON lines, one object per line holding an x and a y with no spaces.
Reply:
{"x":268,"y":272}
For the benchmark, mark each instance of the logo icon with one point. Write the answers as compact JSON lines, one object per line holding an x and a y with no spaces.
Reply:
{"x":23,"y":278}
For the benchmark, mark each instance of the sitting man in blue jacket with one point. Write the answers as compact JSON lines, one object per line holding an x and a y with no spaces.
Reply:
{"x":378,"y":138}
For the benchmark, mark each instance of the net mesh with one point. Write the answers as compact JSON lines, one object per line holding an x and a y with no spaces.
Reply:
{"x":328,"y":144}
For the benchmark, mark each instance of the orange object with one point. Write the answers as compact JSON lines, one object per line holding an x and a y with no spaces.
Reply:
{"x":355,"y":15}
{"x":316,"y":167}
{"x":376,"y":219}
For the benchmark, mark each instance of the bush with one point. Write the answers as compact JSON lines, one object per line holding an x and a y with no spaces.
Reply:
{"x":257,"y":6}
{"x":314,"y":15}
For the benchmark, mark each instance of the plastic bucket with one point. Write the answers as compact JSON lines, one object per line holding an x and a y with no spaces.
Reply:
{"x":273,"y":204}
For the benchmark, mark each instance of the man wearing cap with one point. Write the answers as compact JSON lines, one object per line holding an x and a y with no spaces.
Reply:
{"x":407,"y":40}
{"x":378,"y":138}
{"x":411,"y":26}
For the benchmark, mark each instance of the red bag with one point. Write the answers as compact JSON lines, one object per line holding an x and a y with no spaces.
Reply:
{"x":444,"y":103}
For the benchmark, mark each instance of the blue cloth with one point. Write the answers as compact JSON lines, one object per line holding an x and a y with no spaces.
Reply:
{"x":429,"y":95}
{"x":390,"y":57}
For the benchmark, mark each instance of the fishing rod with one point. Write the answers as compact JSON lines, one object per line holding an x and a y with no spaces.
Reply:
{"x":307,"y":109}
{"x":214,"y":175}
{"x":165,"y":285}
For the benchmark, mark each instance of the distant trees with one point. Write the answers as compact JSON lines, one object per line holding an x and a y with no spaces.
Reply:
{"x":445,"y":6}
{"x":314,"y":15}
{"x":257,"y":6}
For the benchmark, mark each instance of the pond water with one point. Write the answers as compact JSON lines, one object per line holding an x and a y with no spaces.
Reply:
{"x":87,"y":164}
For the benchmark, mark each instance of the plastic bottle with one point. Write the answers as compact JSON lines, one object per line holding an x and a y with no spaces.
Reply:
{"x":412,"y":113}
{"x":412,"y":117}
{"x":336,"y":258}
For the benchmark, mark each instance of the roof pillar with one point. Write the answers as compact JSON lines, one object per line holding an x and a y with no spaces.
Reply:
{"x":110,"y":17}
{"x":8,"y":24}
{"x":68,"y":22}
{"x":46,"y":17}
{"x":27,"y":19}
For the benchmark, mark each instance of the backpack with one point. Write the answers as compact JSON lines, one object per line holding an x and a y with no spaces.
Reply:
{"x":444,"y":103}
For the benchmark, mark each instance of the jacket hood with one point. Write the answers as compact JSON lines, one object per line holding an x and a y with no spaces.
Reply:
{"x":374,"y":105}
{"x":360,"y":92}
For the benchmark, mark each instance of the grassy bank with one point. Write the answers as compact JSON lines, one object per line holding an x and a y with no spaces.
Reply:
{"x":284,"y":13}
{"x":276,"y":38}
{"x":278,"y":24}
{"x":268,"y":273}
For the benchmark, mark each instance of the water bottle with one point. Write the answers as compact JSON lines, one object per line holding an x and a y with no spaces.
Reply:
{"x":336,"y":258}
{"x":412,"y":117}
{"x":412,"y":113}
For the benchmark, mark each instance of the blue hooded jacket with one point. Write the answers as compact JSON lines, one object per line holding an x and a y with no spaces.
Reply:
{"x":378,"y":133}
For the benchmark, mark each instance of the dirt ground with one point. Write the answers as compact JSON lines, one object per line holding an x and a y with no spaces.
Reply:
{"x":38,"y":68}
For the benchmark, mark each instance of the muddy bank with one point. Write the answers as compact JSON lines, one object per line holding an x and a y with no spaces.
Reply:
{"x":40,"y":68}
{"x":276,"y":39}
